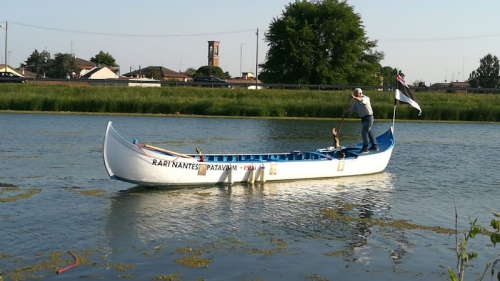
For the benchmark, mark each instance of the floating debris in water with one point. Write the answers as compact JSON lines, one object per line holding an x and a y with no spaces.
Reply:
{"x":16,"y":197}
{"x":171,"y":277}
{"x":193,"y":261}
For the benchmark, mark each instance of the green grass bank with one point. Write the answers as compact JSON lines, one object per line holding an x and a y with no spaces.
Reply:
{"x":436,"y":106}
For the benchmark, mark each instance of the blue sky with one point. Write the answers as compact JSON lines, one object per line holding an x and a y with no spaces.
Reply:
{"x":429,"y":40}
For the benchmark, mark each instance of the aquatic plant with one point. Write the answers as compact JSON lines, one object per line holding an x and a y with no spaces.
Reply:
{"x":464,"y":257}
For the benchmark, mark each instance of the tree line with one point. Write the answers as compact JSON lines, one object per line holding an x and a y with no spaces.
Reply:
{"x":62,"y":65}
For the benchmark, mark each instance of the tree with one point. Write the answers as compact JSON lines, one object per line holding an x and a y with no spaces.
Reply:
{"x":104,"y":59}
{"x":154,"y":73}
{"x":38,"y":63}
{"x":320,"y":42}
{"x":190,"y":71}
{"x":487,"y":74}
{"x":214,"y":71}
{"x":63,"y":66}
{"x":388,"y":75}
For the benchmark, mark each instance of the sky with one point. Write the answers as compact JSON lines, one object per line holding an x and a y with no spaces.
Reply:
{"x":428,"y":40}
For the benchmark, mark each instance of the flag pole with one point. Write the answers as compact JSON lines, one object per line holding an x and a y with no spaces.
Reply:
{"x":394,"y":115}
{"x":395,"y":101}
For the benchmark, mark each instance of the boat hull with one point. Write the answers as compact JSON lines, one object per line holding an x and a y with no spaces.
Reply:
{"x":134,"y":163}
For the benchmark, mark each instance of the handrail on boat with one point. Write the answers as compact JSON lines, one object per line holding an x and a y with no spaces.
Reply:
{"x":166,"y":151}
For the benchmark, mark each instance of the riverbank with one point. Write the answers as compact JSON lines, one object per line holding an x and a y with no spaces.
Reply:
{"x":351,"y":119}
{"x":194,"y":101}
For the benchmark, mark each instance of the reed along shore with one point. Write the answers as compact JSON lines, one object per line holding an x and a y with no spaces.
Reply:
{"x":241,"y":102}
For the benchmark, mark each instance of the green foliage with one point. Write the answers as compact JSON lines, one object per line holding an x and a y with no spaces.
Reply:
{"x":388,"y":75}
{"x":487,"y":74}
{"x":214,"y":71}
{"x":418,"y":83}
{"x":103,"y":59}
{"x":190,"y":71}
{"x":38,"y":63}
{"x":62,"y":66}
{"x":450,"y":90}
{"x":320,"y":42}
{"x":463,"y":258}
{"x":154,"y":73}
{"x":495,"y":237}
{"x":242,"y":102}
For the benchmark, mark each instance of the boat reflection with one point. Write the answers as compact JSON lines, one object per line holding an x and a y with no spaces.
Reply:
{"x":291,"y":209}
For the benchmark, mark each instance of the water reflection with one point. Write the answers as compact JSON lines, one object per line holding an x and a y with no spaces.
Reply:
{"x":291,"y":210}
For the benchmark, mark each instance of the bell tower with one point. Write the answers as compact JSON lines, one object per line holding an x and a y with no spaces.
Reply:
{"x":213,"y":53}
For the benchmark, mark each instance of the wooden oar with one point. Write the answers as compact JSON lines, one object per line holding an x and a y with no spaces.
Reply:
{"x":166,"y":151}
{"x":335,"y":133}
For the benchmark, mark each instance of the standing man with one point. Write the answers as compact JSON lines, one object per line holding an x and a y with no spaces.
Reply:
{"x":363,"y":107}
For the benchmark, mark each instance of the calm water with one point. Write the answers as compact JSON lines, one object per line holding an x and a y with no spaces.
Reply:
{"x":56,"y":196}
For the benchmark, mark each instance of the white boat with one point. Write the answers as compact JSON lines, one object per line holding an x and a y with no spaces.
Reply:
{"x":146,"y":165}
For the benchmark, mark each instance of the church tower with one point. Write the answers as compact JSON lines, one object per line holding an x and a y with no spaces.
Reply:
{"x":213,"y":53}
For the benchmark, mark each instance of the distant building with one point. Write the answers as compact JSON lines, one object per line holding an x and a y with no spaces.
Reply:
{"x":452,"y":84}
{"x":247,"y":75}
{"x":99,"y":73}
{"x":9,"y":69}
{"x":27,"y":73}
{"x":213,"y":53}
{"x":457,"y":86}
{"x":165,"y":73}
{"x":143,"y":82}
{"x":86,"y":66}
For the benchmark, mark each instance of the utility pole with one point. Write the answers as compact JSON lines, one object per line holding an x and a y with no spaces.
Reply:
{"x":241,"y":56}
{"x":257,"y":61}
{"x":6,"y":32}
{"x":463,"y":63}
